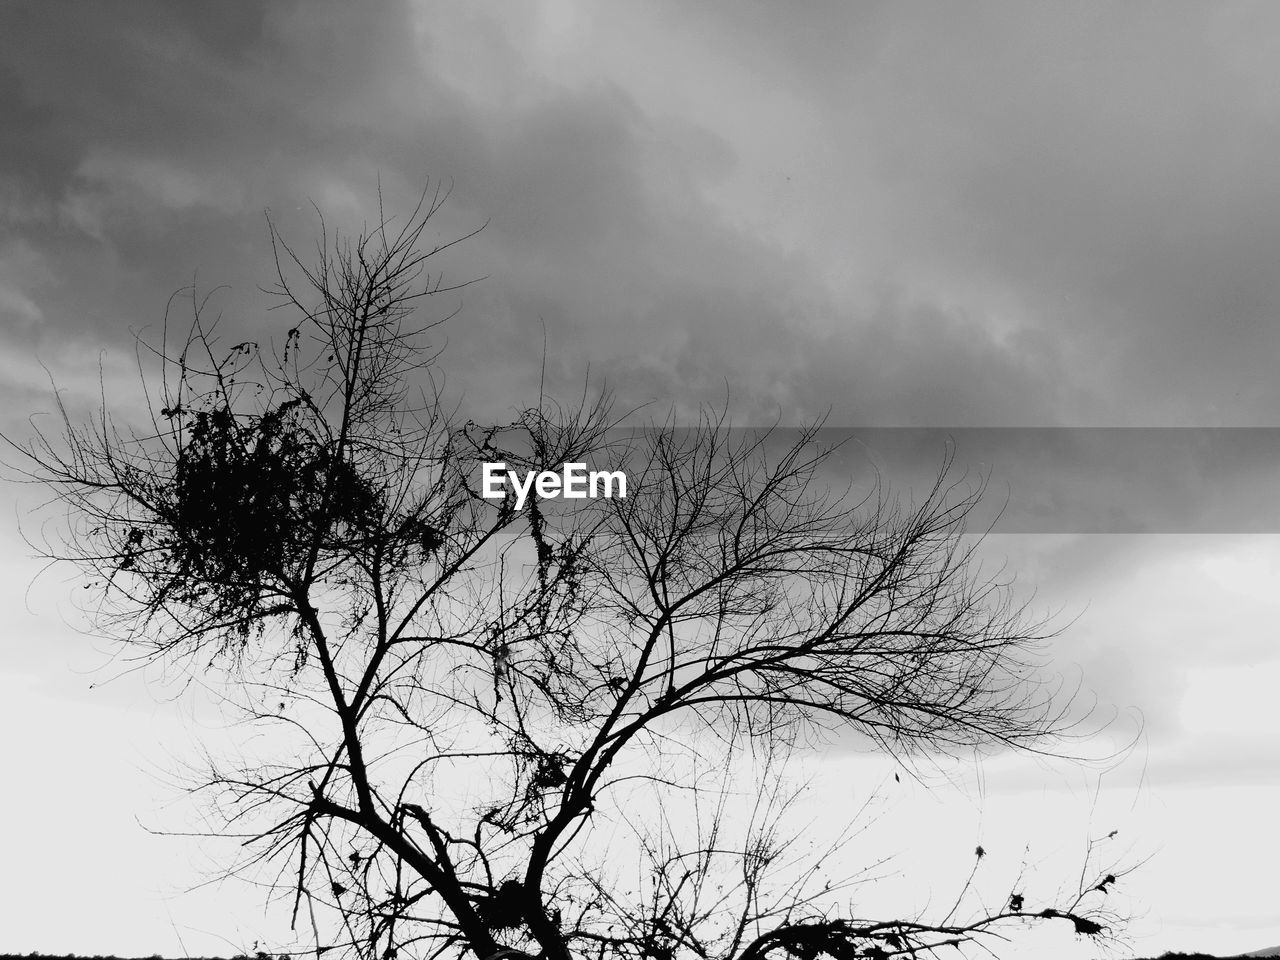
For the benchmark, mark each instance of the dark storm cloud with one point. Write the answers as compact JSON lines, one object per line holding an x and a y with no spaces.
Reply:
{"x":1107,"y":170}
{"x":161,"y":132}
{"x":1078,"y":198}
{"x":918,"y":215}
{"x":159,"y":139}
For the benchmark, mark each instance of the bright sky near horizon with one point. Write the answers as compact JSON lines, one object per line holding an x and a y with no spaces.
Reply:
{"x":1017,"y":214}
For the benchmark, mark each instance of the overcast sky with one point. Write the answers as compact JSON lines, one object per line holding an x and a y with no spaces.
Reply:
{"x":921,"y":215}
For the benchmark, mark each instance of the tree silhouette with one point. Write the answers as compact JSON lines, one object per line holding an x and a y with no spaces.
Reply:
{"x":491,"y":719}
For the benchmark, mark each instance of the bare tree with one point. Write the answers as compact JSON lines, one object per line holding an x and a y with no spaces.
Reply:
{"x":491,"y":716}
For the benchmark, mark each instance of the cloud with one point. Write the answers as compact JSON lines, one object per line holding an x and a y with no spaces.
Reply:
{"x":969,"y":219}
{"x":907,"y":215}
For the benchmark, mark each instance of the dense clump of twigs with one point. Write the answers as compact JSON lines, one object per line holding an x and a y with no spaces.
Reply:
{"x":246,"y":501}
{"x":497,"y":712}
